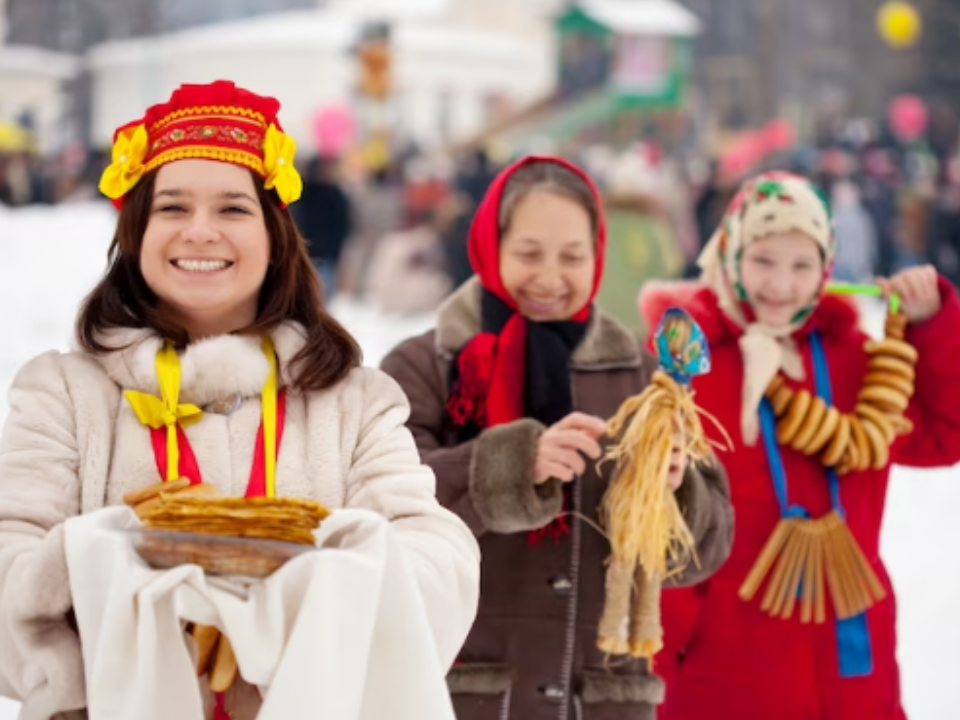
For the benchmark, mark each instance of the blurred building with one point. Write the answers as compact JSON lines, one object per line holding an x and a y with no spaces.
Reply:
{"x":454,"y":63}
{"x":460,"y":63}
{"x":74,"y":26}
{"x":33,"y":104}
{"x":447,"y":76}
{"x":623,"y":74}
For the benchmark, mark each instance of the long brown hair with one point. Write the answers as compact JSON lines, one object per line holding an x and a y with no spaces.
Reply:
{"x":290,"y":291}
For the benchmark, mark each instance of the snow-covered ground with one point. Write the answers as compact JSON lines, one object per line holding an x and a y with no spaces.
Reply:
{"x":49,"y":258}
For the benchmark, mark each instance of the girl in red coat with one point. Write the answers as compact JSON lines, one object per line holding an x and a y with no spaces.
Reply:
{"x":762,"y":305}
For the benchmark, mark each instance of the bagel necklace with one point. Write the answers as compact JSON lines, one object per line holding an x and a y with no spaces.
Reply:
{"x":861,"y":439}
{"x":809,"y":558}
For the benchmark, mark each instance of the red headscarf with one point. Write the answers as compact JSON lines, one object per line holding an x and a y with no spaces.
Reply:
{"x":492,"y":367}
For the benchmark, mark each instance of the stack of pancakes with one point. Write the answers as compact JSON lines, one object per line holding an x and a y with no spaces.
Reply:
{"x":178,"y":507}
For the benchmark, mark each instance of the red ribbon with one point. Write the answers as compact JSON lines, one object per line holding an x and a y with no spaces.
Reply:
{"x":189,"y":468}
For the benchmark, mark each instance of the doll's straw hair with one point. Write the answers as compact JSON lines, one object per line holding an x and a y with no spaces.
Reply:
{"x":639,"y":510}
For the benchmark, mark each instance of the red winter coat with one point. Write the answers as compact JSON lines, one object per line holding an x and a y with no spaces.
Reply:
{"x":725,"y":659}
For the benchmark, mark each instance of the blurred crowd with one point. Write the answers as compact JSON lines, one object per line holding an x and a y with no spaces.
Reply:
{"x":396,"y":236}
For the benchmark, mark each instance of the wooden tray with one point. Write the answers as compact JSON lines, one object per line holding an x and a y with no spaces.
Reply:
{"x":216,"y":554}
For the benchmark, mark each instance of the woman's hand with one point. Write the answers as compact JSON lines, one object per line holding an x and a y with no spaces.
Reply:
{"x":561,"y":449}
{"x":918,"y":291}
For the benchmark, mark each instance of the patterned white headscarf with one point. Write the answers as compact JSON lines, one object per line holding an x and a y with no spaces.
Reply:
{"x":769,"y":204}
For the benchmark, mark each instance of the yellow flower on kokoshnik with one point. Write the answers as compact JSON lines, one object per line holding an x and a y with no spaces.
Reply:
{"x":127,"y":167}
{"x":278,"y":151}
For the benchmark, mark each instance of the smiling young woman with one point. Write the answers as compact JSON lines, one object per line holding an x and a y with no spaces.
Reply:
{"x":197,"y":211}
{"x":205,"y":347}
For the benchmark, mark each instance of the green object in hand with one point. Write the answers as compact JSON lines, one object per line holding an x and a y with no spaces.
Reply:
{"x":864,"y":290}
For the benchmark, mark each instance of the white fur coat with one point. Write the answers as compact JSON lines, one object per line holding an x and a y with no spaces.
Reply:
{"x":72,"y":445}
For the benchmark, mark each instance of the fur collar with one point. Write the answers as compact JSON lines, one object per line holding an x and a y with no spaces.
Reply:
{"x":210,"y":369}
{"x":835,"y":315}
{"x":607,"y":344}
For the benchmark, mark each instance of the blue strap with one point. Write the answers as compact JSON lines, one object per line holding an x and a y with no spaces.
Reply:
{"x":853,"y":634}
{"x":768,"y":431}
{"x":853,"y":647}
{"x":821,"y":379}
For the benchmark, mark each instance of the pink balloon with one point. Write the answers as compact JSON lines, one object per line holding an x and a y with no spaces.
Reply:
{"x":334,"y":129}
{"x":753,"y":146}
{"x":908,"y":117}
{"x":747,"y":151}
{"x":778,"y":135}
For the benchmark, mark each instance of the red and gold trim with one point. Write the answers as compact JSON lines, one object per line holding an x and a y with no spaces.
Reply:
{"x":226,"y":134}
{"x":205,"y":152}
{"x":209,"y":112}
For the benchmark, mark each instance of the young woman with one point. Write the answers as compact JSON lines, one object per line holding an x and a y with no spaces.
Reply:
{"x":762,"y":306}
{"x":510,"y":393}
{"x":207,"y":274}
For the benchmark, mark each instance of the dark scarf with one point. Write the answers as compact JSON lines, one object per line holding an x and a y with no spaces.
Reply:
{"x":545,"y":394}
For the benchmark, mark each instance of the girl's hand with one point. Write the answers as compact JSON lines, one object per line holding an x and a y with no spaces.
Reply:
{"x":678,"y":466}
{"x":918,"y":291}
{"x":678,"y":460}
{"x":561,"y":449}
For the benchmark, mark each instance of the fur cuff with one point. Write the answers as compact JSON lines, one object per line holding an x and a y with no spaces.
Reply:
{"x":43,"y":665}
{"x":597,"y":686}
{"x":44,"y":592}
{"x":501,"y":480}
{"x":479,"y":679}
{"x":698,"y":502}
{"x":656,"y":296}
{"x":693,"y":497}
{"x":704,"y":500}
{"x":946,"y":321}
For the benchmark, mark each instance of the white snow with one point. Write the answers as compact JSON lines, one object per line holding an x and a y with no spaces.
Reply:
{"x":49,"y":258}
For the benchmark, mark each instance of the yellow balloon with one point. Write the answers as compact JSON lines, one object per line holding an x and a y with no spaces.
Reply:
{"x":899,"y":23}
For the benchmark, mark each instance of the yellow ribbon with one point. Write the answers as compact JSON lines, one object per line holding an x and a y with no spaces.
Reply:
{"x":278,"y":152}
{"x":126,"y":167}
{"x":166,"y":410}
{"x":268,"y":407}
